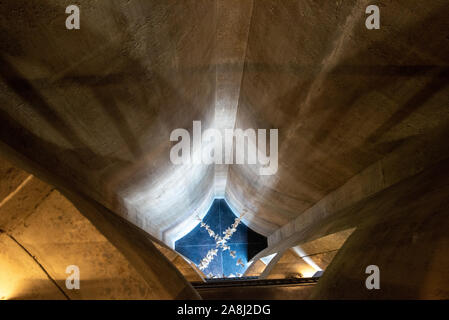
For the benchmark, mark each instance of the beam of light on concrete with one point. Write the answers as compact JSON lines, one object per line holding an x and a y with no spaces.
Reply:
{"x":298,"y":250}
{"x":166,"y":206}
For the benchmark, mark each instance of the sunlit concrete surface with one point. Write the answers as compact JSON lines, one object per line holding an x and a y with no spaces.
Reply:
{"x":362,"y":116}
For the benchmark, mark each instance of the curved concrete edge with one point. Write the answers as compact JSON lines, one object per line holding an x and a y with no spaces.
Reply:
{"x":157,"y":271}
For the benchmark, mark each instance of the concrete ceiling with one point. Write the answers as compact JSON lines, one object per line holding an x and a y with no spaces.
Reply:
{"x":96,"y":106}
{"x":42,"y":233}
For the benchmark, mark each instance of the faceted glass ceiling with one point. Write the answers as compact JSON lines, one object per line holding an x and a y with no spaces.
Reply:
{"x":221,"y":245}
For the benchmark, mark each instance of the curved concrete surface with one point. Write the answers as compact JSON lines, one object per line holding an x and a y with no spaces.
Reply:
{"x":358,"y":111}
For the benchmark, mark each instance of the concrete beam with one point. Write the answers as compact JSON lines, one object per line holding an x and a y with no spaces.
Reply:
{"x":410,"y":158}
{"x":157,"y":271}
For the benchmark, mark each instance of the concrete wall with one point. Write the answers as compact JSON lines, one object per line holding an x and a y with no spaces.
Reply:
{"x":342,"y":96}
{"x":100,"y":103}
{"x":358,"y":111}
{"x":42,"y":233}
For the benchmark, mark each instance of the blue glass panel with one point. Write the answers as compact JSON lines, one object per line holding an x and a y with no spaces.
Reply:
{"x":245,"y":243}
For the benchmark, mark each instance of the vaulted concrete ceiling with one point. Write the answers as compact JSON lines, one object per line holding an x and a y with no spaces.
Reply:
{"x":96,"y":106}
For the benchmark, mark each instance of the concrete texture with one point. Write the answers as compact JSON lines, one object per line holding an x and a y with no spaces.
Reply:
{"x":189,"y":270}
{"x":404,"y":233}
{"x":303,"y":260}
{"x":359,"y":112}
{"x":342,"y":96}
{"x":76,"y":107}
{"x":290,"y":266}
{"x":255,"y":269}
{"x":42,"y":233}
{"x":21,"y":277}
